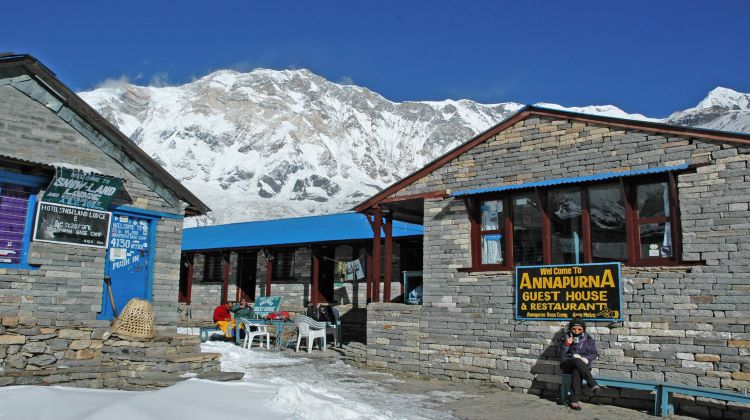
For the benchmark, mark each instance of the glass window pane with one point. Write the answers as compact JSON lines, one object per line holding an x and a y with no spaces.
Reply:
{"x":492,"y":214}
{"x":492,"y":249}
{"x":653,"y":200}
{"x":565,"y":226}
{"x":608,"y":231}
{"x":656,"y":240}
{"x":527,"y":231}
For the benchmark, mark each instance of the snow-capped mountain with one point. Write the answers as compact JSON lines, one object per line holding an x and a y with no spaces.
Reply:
{"x":723,"y":109}
{"x":268,"y":144}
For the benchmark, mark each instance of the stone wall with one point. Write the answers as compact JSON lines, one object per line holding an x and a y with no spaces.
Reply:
{"x":393,"y":336}
{"x":688,"y":324}
{"x":82,"y":356}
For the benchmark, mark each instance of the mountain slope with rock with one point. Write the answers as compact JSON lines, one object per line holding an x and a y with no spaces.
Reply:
{"x":269,"y":144}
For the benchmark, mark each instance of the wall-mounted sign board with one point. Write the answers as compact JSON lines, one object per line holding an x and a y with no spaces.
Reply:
{"x":71,"y":225}
{"x":81,"y":189}
{"x":561,"y":292}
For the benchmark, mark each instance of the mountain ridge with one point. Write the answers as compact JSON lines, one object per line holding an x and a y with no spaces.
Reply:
{"x":281,"y":143}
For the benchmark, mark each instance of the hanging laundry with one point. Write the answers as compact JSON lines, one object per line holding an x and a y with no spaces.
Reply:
{"x":354,"y":270}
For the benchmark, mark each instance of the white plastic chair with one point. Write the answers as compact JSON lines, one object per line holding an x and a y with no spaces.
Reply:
{"x":310,"y":329}
{"x":259,"y":332}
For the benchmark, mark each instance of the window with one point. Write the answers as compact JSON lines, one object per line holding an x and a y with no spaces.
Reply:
{"x":566,"y":229}
{"x":654,"y":229}
{"x":606,"y":205}
{"x":631,"y":221}
{"x":527,"y":230}
{"x":492,"y":232}
{"x":213,"y":268}
{"x":18,"y":194}
{"x":283,"y":265}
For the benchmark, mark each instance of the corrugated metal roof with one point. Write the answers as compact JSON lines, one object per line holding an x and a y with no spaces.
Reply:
{"x":572,"y":180}
{"x":299,"y":230}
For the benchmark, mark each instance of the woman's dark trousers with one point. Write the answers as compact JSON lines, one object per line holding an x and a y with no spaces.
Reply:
{"x":579,"y":369}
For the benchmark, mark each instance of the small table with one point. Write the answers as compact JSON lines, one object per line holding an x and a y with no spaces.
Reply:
{"x":279,"y":341}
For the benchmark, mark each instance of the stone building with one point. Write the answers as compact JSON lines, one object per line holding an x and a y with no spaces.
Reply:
{"x":294,"y":258}
{"x":548,"y":187}
{"x":78,"y":202}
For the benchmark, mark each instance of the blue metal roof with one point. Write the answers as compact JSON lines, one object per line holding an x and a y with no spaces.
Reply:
{"x":572,"y":180}
{"x":298,"y":230}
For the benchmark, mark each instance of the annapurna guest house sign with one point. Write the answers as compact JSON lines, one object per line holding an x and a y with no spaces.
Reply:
{"x":560,"y":292}
{"x":77,"y":188}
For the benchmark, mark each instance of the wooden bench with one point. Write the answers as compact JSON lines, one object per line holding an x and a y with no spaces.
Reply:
{"x":641,"y":384}
{"x":668,"y":389}
{"x":664,"y":392}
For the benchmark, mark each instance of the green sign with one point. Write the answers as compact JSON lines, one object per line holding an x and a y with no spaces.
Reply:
{"x":266,"y":304}
{"x":80,"y":189}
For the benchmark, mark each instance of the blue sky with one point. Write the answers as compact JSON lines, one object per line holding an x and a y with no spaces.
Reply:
{"x":649,"y":57}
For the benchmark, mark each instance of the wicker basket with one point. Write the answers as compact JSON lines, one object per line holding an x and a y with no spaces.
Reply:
{"x":136,"y":320}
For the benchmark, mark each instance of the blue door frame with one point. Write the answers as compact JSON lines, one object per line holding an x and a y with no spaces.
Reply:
{"x":106,"y":310}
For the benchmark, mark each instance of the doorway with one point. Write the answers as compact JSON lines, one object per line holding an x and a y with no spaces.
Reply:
{"x":129,"y":264}
{"x":247,"y":266}
{"x":326,"y":274}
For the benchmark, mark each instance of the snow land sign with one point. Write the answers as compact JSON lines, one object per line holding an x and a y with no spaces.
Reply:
{"x":71,"y":225}
{"x":77,"y":188}
{"x":559,"y":292}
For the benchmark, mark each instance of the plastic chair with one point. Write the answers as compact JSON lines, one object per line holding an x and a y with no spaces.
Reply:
{"x":259,"y":332}
{"x":335,"y":327}
{"x":310,"y":329}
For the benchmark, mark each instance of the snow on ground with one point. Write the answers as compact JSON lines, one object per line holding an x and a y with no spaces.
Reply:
{"x":277,"y":385}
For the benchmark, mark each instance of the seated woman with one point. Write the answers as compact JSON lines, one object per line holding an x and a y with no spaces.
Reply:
{"x":223,"y":319}
{"x":577,"y":352}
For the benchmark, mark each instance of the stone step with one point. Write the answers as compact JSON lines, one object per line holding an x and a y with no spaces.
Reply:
{"x":222,"y":376}
{"x":192,"y":357}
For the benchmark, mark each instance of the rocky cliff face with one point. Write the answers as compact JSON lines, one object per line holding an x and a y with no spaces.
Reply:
{"x":269,"y":144}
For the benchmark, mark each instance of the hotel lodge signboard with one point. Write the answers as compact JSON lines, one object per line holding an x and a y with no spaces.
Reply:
{"x":561,"y":292}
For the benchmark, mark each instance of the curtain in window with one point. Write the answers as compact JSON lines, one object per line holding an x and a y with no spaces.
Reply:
{"x":491,"y":252}
{"x":14,"y":205}
{"x":492,"y":216}
{"x":666,"y":244}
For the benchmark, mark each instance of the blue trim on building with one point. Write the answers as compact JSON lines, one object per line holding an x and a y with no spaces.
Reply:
{"x":571,"y":180}
{"x":292,"y":231}
{"x":151,"y":214}
{"x":21,"y":179}
{"x":151,"y":259}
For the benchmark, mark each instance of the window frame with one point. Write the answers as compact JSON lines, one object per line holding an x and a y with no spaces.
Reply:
{"x":628,"y":186}
{"x":275,"y":275}
{"x":222,"y":260}
{"x":477,"y":232}
{"x":35,"y":183}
